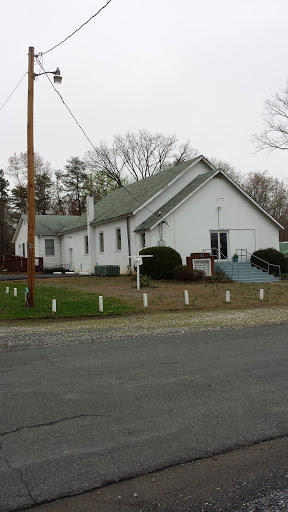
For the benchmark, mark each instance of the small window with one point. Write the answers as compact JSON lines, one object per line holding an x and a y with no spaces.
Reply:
{"x":143,"y":239}
{"x":49,"y":247}
{"x":101,"y":241}
{"x":86,"y":247}
{"x":23,"y":250}
{"x":118,"y":239}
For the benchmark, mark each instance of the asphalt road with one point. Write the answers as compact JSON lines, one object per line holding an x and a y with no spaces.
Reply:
{"x":74,"y":418}
{"x":250,"y":479}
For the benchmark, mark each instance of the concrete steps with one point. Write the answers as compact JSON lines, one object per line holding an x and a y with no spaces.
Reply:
{"x":244,"y":272}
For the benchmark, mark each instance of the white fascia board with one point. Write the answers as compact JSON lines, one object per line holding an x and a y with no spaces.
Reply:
{"x":20,"y":221}
{"x":48,"y":234}
{"x":201,"y":157}
{"x":93,"y":223}
{"x":250,"y":198}
{"x":61,"y":233}
{"x":185,"y":199}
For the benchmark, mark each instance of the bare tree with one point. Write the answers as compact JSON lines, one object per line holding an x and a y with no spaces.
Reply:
{"x":136,"y":156}
{"x":185,"y":152}
{"x":271,"y":194}
{"x":275,"y":134}
{"x":106,"y":160}
{"x":227,"y":168}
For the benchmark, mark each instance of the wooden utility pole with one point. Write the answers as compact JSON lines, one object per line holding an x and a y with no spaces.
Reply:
{"x":31,"y":185}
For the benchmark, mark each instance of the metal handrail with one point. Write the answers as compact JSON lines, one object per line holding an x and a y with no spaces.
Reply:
{"x":264,"y":261}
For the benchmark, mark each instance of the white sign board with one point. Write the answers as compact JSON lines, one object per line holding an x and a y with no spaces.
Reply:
{"x":202,"y":264}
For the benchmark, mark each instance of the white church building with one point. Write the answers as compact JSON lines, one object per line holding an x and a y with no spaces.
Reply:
{"x":191,"y":207}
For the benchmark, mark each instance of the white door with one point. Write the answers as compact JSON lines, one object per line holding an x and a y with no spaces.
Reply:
{"x":70,"y":259}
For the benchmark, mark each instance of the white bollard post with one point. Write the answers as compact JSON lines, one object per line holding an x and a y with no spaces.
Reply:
{"x":186,"y":297}
{"x":227,"y":296}
{"x":145,"y":300}
{"x":7,"y":289}
{"x":100,"y":303}
{"x":15,"y":292}
{"x":261,"y":294}
{"x":53,"y":305}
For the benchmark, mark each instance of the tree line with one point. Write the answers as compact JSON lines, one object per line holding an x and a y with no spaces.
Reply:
{"x":129,"y":158}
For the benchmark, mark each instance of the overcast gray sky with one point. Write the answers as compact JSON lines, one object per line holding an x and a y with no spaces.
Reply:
{"x":199,"y":69}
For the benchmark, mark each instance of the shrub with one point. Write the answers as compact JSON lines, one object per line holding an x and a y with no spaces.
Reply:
{"x":161,"y":266}
{"x":220,"y":277}
{"x":187,"y":273}
{"x":50,"y":270}
{"x":271,"y":256}
{"x":145,"y":281}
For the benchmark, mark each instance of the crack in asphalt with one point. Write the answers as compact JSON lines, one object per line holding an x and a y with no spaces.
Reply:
{"x":20,"y":473}
{"x":16,"y":368}
{"x":23,"y":427}
{"x":108,"y":482}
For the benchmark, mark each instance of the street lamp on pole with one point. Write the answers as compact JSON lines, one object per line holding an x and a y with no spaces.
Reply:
{"x":31,"y":181}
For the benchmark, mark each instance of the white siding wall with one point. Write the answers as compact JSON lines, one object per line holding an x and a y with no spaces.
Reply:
{"x":191,"y":223}
{"x":112,"y":256}
{"x":49,"y":261}
{"x":171,"y":191}
{"x":21,"y":238}
{"x":73,"y":247}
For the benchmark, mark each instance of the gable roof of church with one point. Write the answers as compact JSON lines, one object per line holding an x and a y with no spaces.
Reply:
{"x":126,"y":200}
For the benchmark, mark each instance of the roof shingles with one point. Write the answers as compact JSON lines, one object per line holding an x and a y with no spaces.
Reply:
{"x":126,"y":200}
{"x":119,"y":203}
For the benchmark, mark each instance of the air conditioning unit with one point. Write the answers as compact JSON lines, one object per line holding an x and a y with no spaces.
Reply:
{"x":107,"y":270}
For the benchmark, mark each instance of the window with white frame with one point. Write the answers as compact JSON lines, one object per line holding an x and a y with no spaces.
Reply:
{"x":101,"y":241}
{"x":23,"y":250}
{"x":118,"y":239}
{"x":86,"y":246}
{"x":49,"y":247}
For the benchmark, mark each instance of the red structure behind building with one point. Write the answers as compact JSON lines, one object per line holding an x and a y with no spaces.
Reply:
{"x":12,"y":263}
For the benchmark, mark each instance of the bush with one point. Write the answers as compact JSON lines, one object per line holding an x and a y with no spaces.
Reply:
{"x":50,"y":270}
{"x":161,"y":266}
{"x":187,"y":273}
{"x":220,"y":277}
{"x":271,"y":256}
{"x":145,"y":281}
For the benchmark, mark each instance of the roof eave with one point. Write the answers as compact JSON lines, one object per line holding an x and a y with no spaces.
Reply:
{"x":95,"y":223}
{"x":19,"y":224}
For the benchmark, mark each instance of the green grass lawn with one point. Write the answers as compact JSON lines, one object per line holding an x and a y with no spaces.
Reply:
{"x":70,"y":303}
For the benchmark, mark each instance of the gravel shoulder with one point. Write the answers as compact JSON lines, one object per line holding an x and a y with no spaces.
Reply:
{"x":16,"y":334}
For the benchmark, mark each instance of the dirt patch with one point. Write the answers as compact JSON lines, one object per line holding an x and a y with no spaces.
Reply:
{"x":169,"y":296}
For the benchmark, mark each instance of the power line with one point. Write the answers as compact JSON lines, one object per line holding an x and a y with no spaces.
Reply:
{"x":98,"y":12}
{"x":70,"y":112}
{"x":83,"y":131}
{"x":14,"y":90}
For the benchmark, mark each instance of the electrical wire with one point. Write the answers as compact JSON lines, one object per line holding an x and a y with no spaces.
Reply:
{"x":14,"y":90}
{"x":83,"y":131}
{"x":68,"y":37}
